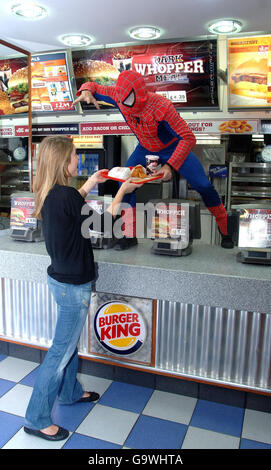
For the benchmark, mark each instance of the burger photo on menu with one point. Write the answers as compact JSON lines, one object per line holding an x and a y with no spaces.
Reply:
{"x":37,"y":74}
{"x":250,"y":79}
{"x":18,"y":90}
{"x":98,"y":71}
{"x":17,"y":217}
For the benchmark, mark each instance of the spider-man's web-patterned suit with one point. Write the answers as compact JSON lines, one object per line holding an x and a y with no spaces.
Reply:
{"x":160,"y":131}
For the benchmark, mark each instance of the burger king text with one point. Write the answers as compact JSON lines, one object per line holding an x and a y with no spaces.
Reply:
{"x":114,"y":326}
{"x":119,"y":328}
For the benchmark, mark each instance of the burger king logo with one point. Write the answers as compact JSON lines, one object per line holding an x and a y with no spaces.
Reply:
{"x":119,"y":328}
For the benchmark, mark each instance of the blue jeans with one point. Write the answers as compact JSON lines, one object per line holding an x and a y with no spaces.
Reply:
{"x":57,"y":374}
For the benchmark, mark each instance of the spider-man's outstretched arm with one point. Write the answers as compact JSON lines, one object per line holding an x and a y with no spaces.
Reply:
{"x":100,"y":92}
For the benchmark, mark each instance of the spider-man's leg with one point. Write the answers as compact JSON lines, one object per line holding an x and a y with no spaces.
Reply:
{"x":129,"y":214}
{"x":192,"y":170}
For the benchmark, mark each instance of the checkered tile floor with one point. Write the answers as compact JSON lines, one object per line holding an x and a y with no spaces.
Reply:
{"x":128,"y":416}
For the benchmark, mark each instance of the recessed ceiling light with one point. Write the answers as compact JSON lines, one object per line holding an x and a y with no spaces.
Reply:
{"x":76,"y":40}
{"x":145,"y":32}
{"x":225,"y":27}
{"x":29,"y":10}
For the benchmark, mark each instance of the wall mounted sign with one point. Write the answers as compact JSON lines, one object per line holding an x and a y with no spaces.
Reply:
{"x":104,"y":128}
{"x":51,"y":88}
{"x":119,"y":328}
{"x":52,"y":129}
{"x":122,"y":327}
{"x":249,"y":72}
{"x":13,"y":86}
{"x":50,"y":84}
{"x":184,"y":72}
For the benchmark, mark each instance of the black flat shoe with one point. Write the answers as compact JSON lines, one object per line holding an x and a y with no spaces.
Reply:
{"x":125,"y":243}
{"x":59,"y":436}
{"x":93,"y":396}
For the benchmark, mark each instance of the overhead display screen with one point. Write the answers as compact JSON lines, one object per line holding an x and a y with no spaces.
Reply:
{"x":51,"y":89}
{"x":13,"y":86}
{"x":50,"y":84}
{"x":249,"y":72}
{"x":184,"y":72}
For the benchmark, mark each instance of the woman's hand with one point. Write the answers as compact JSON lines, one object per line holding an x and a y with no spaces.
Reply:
{"x":166,"y":171}
{"x":97,"y":177}
{"x":128,"y":186}
{"x":91,"y":182}
{"x":88,"y":97}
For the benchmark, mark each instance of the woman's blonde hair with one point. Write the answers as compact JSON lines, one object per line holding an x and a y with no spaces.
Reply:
{"x":54,"y":156}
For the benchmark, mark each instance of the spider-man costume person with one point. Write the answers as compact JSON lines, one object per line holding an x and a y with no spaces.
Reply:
{"x":160,"y":131}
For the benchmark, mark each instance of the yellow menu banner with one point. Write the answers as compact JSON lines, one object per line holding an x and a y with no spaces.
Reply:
{"x":88,"y":141}
{"x":249,"y":72}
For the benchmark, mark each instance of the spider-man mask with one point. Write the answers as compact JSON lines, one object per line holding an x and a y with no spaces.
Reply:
{"x":131,"y":92}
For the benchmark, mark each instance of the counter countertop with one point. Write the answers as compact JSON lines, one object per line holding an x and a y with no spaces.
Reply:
{"x":210,"y":275}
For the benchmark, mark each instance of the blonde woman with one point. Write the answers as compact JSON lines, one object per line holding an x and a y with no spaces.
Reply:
{"x":69,"y":278}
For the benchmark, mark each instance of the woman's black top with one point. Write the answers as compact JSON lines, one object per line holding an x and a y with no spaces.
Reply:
{"x":71,"y":254}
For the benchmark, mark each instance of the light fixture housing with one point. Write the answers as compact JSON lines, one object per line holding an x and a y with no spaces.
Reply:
{"x":145,"y":33}
{"x":29,"y":10}
{"x":76,"y":40}
{"x":225,"y":27}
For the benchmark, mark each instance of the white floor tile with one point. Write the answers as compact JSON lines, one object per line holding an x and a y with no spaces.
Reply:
{"x":170,"y":406}
{"x":257,"y":426}
{"x":15,"y":369}
{"x":16,"y":400}
{"x":92,"y":383}
{"x":21,"y":440}
{"x":108,"y":424}
{"x":197,"y":438}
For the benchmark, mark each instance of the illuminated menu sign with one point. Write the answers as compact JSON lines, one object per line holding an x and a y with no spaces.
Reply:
{"x":249,"y":72}
{"x":183,"y":72}
{"x":51,"y":90}
{"x":255,"y":228}
{"x":171,"y":220}
{"x":13,"y":86}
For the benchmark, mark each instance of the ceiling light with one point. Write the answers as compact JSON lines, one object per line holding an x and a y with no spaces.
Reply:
{"x":225,"y":27}
{"x":145,"y":32}
{"x":29,"y":10}
{"x":76,"y":40}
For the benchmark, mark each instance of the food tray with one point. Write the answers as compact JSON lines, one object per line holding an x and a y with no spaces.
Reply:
{"x":104,"y":174}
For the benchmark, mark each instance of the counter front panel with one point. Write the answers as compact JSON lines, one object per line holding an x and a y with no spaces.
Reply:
{"x":210,"y":344}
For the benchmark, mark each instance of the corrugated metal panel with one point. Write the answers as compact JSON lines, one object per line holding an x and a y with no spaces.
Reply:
{"x":229,"y":346}
{"x":215,"y":344}
{"x":28,"y":313}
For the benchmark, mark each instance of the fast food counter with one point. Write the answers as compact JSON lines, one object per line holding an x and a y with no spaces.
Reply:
{"x":203,"y":317}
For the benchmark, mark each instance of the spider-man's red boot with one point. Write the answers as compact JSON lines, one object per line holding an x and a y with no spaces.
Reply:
{"x":220,"y":214}
{"x":128,"y":230}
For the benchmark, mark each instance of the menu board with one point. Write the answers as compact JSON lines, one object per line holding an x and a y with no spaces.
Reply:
{"x":183,"y":72}
{"x":171,"y":221}
{"x":249,"y":72}
{"x":255,"y":228}
{"x":21,"y":212}
{"x":13,"y":86}
{"x":51,"y":90}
